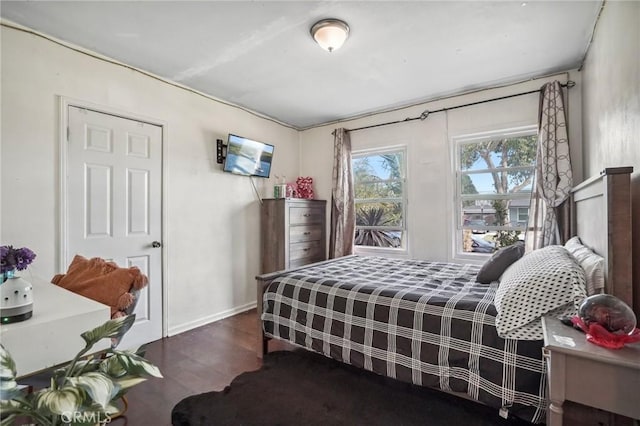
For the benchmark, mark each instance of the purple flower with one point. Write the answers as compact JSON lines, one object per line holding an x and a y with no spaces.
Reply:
{"x":12,"y":258}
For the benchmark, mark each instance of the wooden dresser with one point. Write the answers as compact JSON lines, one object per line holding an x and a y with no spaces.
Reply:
{"x":293,"y":233}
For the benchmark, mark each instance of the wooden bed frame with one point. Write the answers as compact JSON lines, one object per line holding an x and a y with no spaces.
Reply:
{"x":601,"y":217}
{"x":602,"y":220}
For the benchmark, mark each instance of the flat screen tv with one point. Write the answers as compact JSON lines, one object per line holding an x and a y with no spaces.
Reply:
{"x":248,"y":157}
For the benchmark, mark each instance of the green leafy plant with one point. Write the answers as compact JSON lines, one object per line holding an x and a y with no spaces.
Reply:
{"x":83,"y":392}
{"x":374,"y":216}
{"x":506,"y":238}
{"x":503,"y":237}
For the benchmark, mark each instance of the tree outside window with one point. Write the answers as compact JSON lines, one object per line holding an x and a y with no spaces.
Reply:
{"x":494,"y":182}
{"x":379,"y":182}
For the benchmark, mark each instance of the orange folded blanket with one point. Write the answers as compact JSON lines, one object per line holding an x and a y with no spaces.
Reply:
{"x":102,"y":281}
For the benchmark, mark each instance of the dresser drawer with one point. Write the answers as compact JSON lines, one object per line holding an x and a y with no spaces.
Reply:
{"x":301,"y":233}
{"x":311,"y":249}
{"x":303,"y":261}
{"x":305,"y":215}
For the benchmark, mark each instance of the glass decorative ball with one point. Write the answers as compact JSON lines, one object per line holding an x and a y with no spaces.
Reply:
{"x":608,"y":311}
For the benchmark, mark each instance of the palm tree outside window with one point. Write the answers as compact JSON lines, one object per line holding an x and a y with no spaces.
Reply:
{"x":380,"y":201}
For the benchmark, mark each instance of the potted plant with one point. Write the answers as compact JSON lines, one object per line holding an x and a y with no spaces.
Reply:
{"x":82,"y":392}
{"x":16,"y":303}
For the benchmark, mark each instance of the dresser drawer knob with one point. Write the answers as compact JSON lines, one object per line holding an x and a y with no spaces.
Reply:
{"x":306,"y":214}
{"x":307,"y":233}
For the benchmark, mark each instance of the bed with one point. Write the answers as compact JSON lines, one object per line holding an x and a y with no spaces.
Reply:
{"x":432,"y":324}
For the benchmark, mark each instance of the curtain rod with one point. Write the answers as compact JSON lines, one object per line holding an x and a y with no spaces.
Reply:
{"x":426,"y":113}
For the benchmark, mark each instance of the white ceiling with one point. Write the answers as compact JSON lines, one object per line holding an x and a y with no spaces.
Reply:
{"x":260,"y":55}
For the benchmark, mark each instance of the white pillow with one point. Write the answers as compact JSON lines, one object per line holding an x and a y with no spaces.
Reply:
{"x":544,"y":281}
{"x":592,"y":264}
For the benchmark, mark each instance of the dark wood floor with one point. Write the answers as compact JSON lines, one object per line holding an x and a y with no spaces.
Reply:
{"x":196,"y":361}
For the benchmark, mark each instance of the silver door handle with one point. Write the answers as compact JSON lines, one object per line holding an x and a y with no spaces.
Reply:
{"x":156,"y":244}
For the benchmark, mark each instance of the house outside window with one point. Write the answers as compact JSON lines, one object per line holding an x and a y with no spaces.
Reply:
{"x":380,"y":198}
{"x":494,"y":178}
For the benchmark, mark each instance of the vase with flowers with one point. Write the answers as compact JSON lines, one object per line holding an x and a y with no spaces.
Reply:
{"x":16,"y":293}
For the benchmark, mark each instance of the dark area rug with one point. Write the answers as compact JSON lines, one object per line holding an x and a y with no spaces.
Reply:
{"x":304,"y":388}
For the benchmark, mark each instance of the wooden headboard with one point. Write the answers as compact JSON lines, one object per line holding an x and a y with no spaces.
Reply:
{"x":602,"y":219}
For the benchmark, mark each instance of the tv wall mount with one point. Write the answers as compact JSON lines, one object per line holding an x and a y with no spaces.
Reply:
{"x":221,"y":150}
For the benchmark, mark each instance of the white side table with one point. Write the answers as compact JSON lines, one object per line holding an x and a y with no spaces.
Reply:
{"x":52,"y":335}
{"x":582,"y":372}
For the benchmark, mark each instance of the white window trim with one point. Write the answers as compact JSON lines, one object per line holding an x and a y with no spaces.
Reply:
{"x":404,"y":248}
{"x":456,"y":243}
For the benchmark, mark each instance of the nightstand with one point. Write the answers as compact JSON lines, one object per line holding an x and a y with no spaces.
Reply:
{"x":582,"y":372}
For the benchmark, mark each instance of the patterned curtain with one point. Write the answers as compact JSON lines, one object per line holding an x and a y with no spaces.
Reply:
{"x":343,"y":221}
{"x":553,"y":173}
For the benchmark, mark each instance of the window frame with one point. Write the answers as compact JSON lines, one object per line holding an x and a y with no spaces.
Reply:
{"x":403,"y":248}
{"x":457,"y":227}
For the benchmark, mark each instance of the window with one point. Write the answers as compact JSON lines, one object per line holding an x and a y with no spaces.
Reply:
{"x":494,"y":179}
{"x":379,"y":191}
{"x":523,"y":215}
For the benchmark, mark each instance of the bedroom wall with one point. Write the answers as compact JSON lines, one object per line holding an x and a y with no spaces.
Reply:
{"x":212,"y":240}
{"x":611,"y":104}
{"x":430,"y":183}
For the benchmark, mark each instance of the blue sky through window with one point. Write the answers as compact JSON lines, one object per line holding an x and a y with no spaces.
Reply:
{"x":376,"y":165}
{"x":483,"y":182}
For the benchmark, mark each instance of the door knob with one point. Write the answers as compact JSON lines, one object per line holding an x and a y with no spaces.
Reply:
{"x":156,"y":244}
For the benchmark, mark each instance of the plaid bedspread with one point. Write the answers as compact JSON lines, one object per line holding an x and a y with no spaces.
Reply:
{"x":427,"y":323}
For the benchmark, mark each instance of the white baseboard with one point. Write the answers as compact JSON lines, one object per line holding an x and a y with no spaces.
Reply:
{"x":209,"y":319}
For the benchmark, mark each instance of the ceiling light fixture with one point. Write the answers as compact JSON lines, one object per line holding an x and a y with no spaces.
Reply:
{"x":330,"y":34}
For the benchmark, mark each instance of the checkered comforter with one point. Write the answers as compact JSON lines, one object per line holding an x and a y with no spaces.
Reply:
{"x":426,"y":323}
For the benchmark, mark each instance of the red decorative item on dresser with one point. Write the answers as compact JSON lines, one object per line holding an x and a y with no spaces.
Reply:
{"x":305,"y":187}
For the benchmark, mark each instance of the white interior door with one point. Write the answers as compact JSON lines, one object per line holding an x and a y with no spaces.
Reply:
{"x":114,"y":203}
